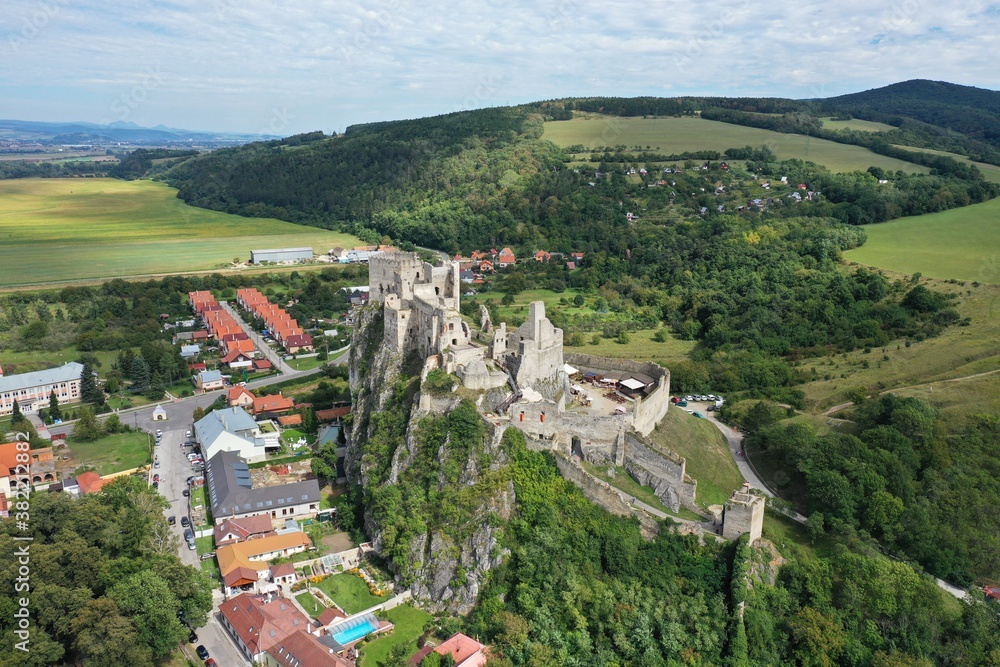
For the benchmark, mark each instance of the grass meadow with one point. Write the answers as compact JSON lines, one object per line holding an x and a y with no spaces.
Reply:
{"x":58,"y":230}
{"x":112,"y":453}
{"x":924,"y":366}
{"x":962,"y":244}
{"x":676,"y":135}
{"x":350,"y":592}
{"x":855,"y":124}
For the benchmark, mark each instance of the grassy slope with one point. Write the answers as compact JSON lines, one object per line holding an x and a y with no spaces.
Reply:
{"x":706,"y":451}
{"x":991,"y":172}
{"x":962,"y":243}
{"x":65,"y":229}
{"x":641,"y":347}
{"x":958,"y":352}
{"x":855,"y":124}
{"x":675,"y":135}
{"x":409,"y":625}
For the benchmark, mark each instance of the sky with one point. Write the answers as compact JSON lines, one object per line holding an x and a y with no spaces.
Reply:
{"x":283,"y":67}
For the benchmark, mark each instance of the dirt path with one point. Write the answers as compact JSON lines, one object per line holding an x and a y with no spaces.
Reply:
{"x":844,"y":406}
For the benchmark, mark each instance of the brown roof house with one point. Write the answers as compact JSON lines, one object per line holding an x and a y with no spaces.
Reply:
{"x":258,"y":625}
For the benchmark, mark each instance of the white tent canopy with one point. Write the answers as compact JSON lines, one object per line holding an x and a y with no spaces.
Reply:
{"x":632,"y":384}
{"x":570,"y":370}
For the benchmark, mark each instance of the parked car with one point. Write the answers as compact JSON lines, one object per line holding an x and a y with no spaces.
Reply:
{"x":171,"y":519}
{"x":209,"y":556}
{"x":159,"y":432}
{"x":682,"y":404}
{"x":156,"y":478}
{"x":211,"y":663}
{"x":710,"y":408}
{"x":156,"y":463}
{"x":675,"y":399}
{"x":187,"y":434}
{"x":202,"y":652}
{"x":690,"y":412}
{"x":192,"y":636}
{"x":186,"y":522}
{"x":186,"y":493}
{"x":156,"y":486}
{"x":689,"y":398}
{"x":698,"y":415}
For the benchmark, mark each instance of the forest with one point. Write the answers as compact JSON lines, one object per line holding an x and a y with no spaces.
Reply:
{"x":107,"y":586}
{"x":925,"y":494}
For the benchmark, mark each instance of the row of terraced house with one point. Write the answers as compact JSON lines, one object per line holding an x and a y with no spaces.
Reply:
{"x":279,"y":324}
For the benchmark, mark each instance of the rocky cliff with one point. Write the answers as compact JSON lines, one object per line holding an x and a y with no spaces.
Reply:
{"x":434,"y":483}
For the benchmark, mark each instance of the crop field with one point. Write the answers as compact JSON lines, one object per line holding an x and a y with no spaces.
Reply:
{"x":962,"y":243}
{"x":676,"y":135}
{"x":855,"y":124}
{"x":58,"y":230}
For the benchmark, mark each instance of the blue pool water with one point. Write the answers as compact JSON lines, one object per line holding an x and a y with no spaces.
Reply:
{"x":347,"y":636}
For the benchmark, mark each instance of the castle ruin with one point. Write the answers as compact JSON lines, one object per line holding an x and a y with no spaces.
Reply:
{"x":744,"y":514}
{"x":597,"y":422}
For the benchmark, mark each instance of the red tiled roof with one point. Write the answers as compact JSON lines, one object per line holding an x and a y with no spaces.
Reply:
{"x":262,"y":625}
{"x":200,"y":366}
{"x":241,"y":576}
{"x":244,"y":528}
{"x":235,"y":355}
{"x":461,"y":647}
{"x":8,"y":459}
{"x":329,"y":615}
{"x":90,"y":482}
{"x":301,"y":649}
{"x":261,"y":364}
{"x":506,"y":256}
{"x":299,"y":340}
{"x":282,"y":570}
{"x":273,"y":403}
{"x":333,"y":413}
{"x":236,"y":392}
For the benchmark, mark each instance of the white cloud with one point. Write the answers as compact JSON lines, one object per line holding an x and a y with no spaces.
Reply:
{"x":228,"y":64}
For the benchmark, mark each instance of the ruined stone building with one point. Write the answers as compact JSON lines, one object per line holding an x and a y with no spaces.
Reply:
{"x":744,"y":514}
{"x":421,"y":303}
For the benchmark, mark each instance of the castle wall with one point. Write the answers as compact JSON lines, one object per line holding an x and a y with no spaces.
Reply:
{"x":648,"y":411}
{"x":597,"y":435}
{"x":668,"y":468}
{"x":538,"y":346}
{"x":385,"y":270}
{"x":603,"y":494}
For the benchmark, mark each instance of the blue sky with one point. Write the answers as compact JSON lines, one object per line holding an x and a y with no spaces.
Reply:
{"x":281,"y":67}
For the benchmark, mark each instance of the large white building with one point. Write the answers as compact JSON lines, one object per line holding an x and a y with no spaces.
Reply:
{"x":233,"y":430}
{"x":32,"y":390}
{"x":281,"y":255}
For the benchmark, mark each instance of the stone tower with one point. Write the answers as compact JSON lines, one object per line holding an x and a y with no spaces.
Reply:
{"x":744,"y":514}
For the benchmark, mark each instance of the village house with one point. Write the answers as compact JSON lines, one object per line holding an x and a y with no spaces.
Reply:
{"x":258,"y":625}
{"x":240,"y":397}
{"x":232,"y":531}
{"x":542,"y":256}
{"x":274,"y":404}
{"x":302,"y":649}
{"x":209,"y":380}
{"x":464,"y":651}
{"x":233,"y":430}
{"x":506,"y":258}
{"x":244,"y":567}
{"x":236,"y":360}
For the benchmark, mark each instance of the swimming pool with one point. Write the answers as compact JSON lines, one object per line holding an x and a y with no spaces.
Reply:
{"x":348,"y":635}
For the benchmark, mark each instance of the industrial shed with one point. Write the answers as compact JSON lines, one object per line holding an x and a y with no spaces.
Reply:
{"x":281,"y":255}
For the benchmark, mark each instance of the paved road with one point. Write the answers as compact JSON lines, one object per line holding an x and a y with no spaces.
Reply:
{"x":258,"y":340}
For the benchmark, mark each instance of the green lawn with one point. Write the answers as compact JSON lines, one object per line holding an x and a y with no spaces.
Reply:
{"x":641,"y":347}
{"x":198,"y":496}
{"x":39,"y":359}
{"x":350,"y":592}
{"x":109,"y":228}
{"x":676,"y":135}
{"x":310,"y":603}
{"x":305,"y":364}
{"x":962,"y":243}
{"x":112,"y":453}
{"x":408,"y":625}
{"x":205,"y":544}
{"x":991,"y":172}
{"x":706,"y":451}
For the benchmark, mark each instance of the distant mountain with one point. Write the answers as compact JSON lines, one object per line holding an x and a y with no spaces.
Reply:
{"x":118,"y":131}
{"x":974,"y":112}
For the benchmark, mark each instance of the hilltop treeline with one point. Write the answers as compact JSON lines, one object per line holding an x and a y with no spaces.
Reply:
{"x":25,"y":169}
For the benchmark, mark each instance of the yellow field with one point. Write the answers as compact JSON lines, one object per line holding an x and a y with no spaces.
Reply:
{"x":676,"y":135}
{"x":54,"y":230}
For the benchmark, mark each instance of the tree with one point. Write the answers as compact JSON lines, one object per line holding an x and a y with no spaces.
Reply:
{"x":16,"y":415}
{"x":89,"y":391}
{"x":54,"y":411}
{"x":146,"y":599}
{"x":661,"y":335}
{"x":399,"y":656}
{"x":139,"y":375}
{"x":815,"y":525}
{"x":106,"y":638}
{"x":87,"y":427}
{"x":817,"y":639}
{"x":198,"y":414}
{"x":623,"y":338}
{"x":113,"y":424}
{"x":578,"y":300}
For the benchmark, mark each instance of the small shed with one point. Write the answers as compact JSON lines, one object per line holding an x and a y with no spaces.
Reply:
{"x":159,"y":414}
{"x":631,"y":386}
